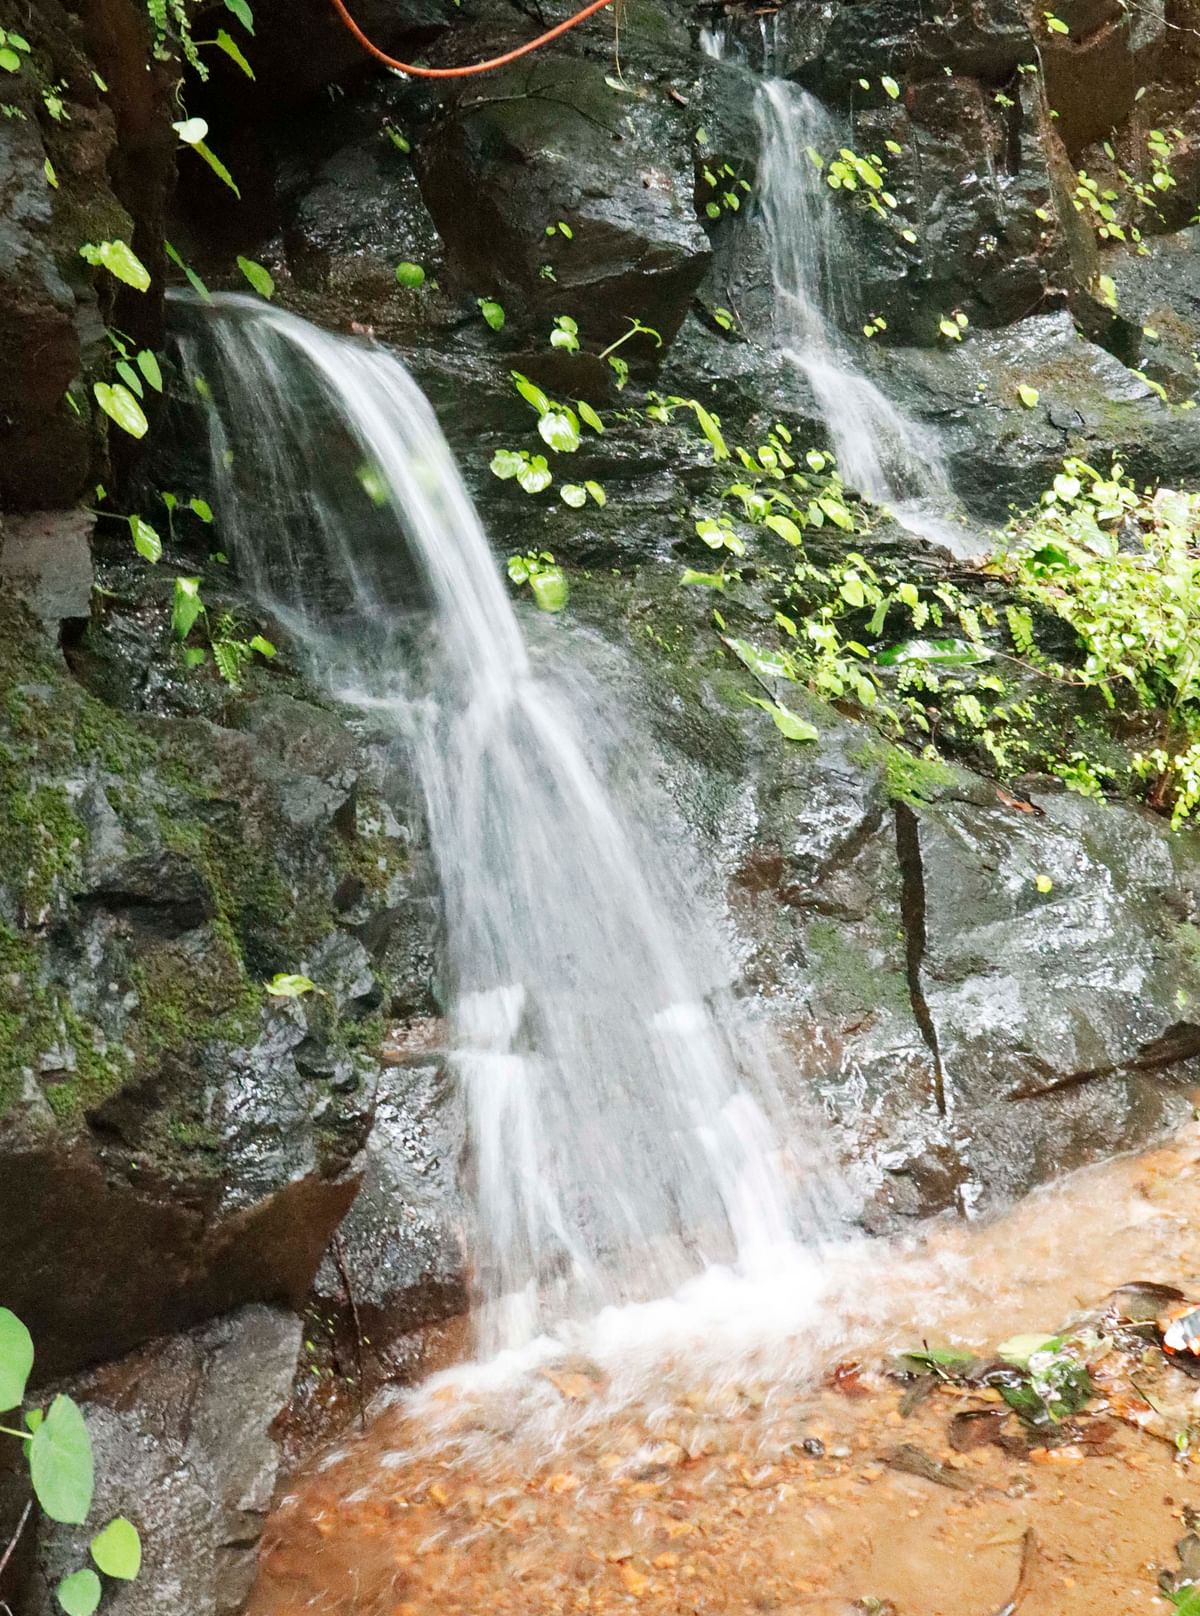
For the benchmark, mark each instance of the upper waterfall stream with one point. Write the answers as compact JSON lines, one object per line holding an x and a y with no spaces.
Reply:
{"x":618,"y":1104}
{"x":883,"y":453}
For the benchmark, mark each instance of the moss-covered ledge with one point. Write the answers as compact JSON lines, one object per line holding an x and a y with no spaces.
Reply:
{"x":155,"y":873}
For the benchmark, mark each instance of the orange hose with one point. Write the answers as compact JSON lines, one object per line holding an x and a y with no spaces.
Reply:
{"x":479,"y":67}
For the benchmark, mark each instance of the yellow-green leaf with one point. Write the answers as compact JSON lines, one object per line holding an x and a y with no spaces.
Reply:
{"x":258,"y":277}
{"x":226,"y":42}
{"x":119,"y":404}
{"x":117,"y":1550}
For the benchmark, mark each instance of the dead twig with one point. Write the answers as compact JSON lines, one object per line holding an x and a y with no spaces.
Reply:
{"x":1029,"y":1555}
{"x":343,"y":1274}
{"x":12,"y":1542}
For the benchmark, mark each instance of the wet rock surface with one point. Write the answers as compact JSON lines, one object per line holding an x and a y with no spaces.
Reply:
{"x":111,"y":154}
{"x":971,"y":1034}
{"x":166,"y":846}
{"x":182,"y":1433}
{"x":157,"y":875}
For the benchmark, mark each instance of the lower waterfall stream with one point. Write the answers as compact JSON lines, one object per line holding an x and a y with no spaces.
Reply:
{"x":623,"y":1134}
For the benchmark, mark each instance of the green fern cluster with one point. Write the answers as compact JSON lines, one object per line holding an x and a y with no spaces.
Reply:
{"x":173,"y":33}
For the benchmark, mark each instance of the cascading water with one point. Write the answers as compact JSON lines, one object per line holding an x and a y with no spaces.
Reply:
{"x":882,"y":452}
{"x":619,"y":1139}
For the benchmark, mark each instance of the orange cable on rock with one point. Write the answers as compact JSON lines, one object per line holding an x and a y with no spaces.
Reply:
{"x":479,"y":67}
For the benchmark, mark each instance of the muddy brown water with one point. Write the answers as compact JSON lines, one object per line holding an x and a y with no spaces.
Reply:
{"x":790,"y":1476}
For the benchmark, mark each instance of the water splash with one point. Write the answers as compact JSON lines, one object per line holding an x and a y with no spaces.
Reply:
{"x":620,"y":1109}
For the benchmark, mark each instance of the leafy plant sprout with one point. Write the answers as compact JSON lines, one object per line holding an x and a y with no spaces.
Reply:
{"x":58,"y":1452}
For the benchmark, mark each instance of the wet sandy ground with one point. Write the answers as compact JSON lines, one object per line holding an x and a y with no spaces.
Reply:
{"x":798,"y":1474}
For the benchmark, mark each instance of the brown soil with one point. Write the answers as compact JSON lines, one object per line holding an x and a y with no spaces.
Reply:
{"x":834,"y":1490}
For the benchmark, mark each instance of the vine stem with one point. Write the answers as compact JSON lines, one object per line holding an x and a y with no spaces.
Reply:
{"x":12,"y":1542}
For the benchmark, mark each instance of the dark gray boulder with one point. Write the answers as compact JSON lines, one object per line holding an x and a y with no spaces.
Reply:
{"x":182,"y":1434}
{"x":552,"y":143}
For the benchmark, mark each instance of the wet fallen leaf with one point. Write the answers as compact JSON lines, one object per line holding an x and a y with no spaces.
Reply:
{"x":976,"y":1428}
{"x":633,"y":1579}
{"x":1141,"y":1301}
{"x":914,"y":1461}
{"x":847,"y":1379}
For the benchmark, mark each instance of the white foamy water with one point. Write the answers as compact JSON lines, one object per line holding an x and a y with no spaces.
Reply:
{"x":624,"y":1134}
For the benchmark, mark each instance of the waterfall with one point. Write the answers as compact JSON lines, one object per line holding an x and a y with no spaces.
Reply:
{"x":881,"y":452}
{"x":618,"y":1104}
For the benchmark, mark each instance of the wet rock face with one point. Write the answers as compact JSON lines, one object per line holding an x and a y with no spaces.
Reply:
{"x":112,"y":156}
{"x":1003,"y":454}
{"x":182,"y":1433}
{"x":986,"y":39}
{"x":971,"y":1032}
{"x":156,"y":874}
{"x":552,"y":143}
{"x":974,"y":181}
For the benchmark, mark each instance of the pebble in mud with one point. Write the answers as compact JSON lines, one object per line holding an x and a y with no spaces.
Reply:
{"x":686,"y":1497}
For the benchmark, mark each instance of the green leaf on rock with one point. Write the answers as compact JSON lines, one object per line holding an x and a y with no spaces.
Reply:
{"x":147,"y":363}
{"x":410,"y":275}
{"x":193,"y":279}
{"x":789,"y":724}
{"x":16,"y":1359}
{"x":226,"y":42}
{"x":948,"y":653}
{"x":550,"y":589}
{"x":560,"y":429}
{"x":242,"y":12}
{"x":288,"y":985}
{"x":534,"y":474}
{"x":217,"y":166}
{"x":530,"y":392}
{"x":119,"y":404}
{"x":186,"y":606}
{"x":60,"y":1463}
{"x":119,"y":258}
{"x":145,"y":540}
{"x":117,"y":1550}
{"x":79,"y":1594}
{"x":492,"y":312}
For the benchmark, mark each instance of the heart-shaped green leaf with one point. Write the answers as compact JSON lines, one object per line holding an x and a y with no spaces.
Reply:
{"x":117,"y":1550}
{"x":60,"y":1463}
{"x":79,"y":1594}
